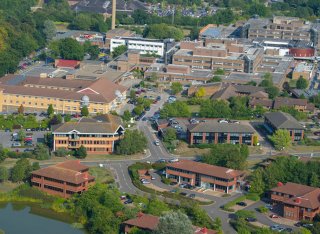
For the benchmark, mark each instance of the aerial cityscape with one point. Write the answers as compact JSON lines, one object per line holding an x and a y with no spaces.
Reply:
{"x":160,"y":117}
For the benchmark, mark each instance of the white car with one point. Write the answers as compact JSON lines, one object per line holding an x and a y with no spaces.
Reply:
{"x":145,"y":182}
{"x":156,"y":142}
{"x":16,"y":144}
{"x":223,"y":121}
{"x":152,"y":178}
{"x":174,"y":160}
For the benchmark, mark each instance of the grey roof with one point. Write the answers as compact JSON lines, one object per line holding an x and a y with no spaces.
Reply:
{"x":282,"y":120}
{"x":215,"y":126}
{"x":212,"y":32}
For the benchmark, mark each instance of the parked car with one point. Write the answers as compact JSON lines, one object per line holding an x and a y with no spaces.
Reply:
{"x":129,"y":201}
{"x":274,"y":216}
{"x":156,"y":142}
{"x":241,"y":204}
{"x":183,"y":194}
{"x":250,"y":219}
{"x":317,"y":133}
{"x":268,"y":206}
{"x":275,"y":227}
{"x":173,"y":183}
{"x":28,"y":150}
{"x":289,"y":230}
{"x":152,"y":178}
{"x":161,"y":161}
{"x":223,"y":121}
{"x":173,"y":191}
{"x":182,"y":185}
{"x":145,"y":182}
{"x":123,"y":197}
{"x":16,"y":144}
{"x":173,"y":160}
{"x":192,"y":195}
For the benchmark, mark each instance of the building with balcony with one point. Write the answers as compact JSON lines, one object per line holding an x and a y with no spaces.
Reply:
{"x":280,"y":120}
{"x":296,"y":201}
{"x":213,"y":132}
{"x":98,"y":135}
{"x":63,"y":179}
{"x":204,"y":175}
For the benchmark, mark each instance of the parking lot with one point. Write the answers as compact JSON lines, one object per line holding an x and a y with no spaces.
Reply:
{"x":6,"y":138}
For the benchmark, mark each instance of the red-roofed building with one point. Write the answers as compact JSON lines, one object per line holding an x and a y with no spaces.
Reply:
{"x":63,"y":179}
{"x":149,"y":223}
{"x":64,"y":63}
{"x":296,"y":201}
{"x":204,"y":175}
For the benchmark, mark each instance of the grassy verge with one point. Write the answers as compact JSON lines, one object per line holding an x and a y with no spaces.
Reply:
{"x":133,"y":169}
{"x":249,"y":196}
{"x":102,"y":175}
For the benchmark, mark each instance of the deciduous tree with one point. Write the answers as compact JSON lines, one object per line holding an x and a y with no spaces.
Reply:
{"x":281,"y":139}
{"x":173,"y":223}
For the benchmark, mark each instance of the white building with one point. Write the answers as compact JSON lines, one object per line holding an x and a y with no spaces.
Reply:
{"x":143,"y":45}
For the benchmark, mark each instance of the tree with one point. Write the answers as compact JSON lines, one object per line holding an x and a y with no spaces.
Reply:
{"x":163,"y":31}
{"x":126,"y":116}
{"x":21,"y":109}
{"x":3,"y":153}
{"x":227,"y":155}
{"x":314,"y":180}
{"x":56,"y":119}
{"x":119,"y":50}
{"x":67,"y":118}
{"x":257,"y":184}
{"x":281,"y":139}
{"x":170,"y":135}
{"x":50,"y":110}
{"x":92,"y":50}
{"x":21,"y":170}
{"x":219,"y":71}
{"x":201,"y":92}
{"x":194,"y":33}
{"x":84,"y":111}
{"x":21,"y":135}
{"x":71,"y":49}
{"x":61,"y":152}
{"x":173,"y":223}
{"x":215,"y":79}
{"x":35,"y":166}
{"x":176,"y":109}
{"x":4,"y":174}
{"x":49,"y":29}
{"x":41,"y":152}
{"x":267,"y":80}
{"x":176,"y":87}
{"x":156,"y":207}
{"x":273,"y":92}
{"x":81,"y":152}
{"x":138,"y":109}
{"x":302,"y":83}
{"x":133,"y":142}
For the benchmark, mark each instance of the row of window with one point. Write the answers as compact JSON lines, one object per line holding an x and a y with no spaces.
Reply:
{"x":64,"y":142}
{"x":87,"y":135}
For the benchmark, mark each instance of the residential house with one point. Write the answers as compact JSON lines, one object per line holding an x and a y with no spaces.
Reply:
{"x":231,"y":90}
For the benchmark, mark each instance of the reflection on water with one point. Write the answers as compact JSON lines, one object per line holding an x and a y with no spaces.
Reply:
{"x":16,"y":218}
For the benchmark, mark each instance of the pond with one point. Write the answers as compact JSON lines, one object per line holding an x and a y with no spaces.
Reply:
{"x":25,"y":218}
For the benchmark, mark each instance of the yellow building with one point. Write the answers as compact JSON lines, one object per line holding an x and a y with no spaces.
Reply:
{"x":66,"y":95}
{"x":97,"y":135}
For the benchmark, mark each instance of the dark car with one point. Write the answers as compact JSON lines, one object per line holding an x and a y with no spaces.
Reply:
{"x":241,"y":204}
{"x":129,"y":201}
{"x":288,"y":230}
{"x":183,"y":194}
{"x":173,"y":183}
{"x":192,"y":195}
{"x":250,"y":219}
{"x":158,"y":98}
{"x":7,"y":130}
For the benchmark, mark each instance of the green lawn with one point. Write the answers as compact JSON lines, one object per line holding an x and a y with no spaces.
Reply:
{"x":102,"y":175}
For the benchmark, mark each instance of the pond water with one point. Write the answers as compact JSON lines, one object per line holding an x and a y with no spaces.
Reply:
{"x":20,"y":218}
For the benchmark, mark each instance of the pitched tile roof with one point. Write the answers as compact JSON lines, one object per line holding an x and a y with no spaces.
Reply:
{"x":206,"y":169}
{"x":282,"y":120}
{"x":263,"y":102}
{"x":289,"y":102}
{"x":87,"y":125}
{"x":150,"y":222}
{"x":69,"y":171}
{"x":302,"y":195}
{"x":233,"y":90}
{"x":67,"y":63}
{"x":215,"y":126}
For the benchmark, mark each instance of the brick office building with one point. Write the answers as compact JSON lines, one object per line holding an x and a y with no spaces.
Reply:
{"x":204,"y":175}
{"x":98,"y":135}
{"x":214,"y":132}
{"x":63,"y":179}
{"x":280,"y":120}
{"x":296,"y":201}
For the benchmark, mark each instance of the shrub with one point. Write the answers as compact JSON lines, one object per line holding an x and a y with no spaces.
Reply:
{"x":263,"y":209}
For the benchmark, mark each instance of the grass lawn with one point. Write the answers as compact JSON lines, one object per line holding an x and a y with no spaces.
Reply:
{"x":303,"y":148}
{"x":184,"y":151}
{"x":8,"y":186}
{"x":255,"y":150}
{"x":292,"y":83}
{"x":102,"y":175}
{"x":194,"y":108}
{"x":252,"y":164}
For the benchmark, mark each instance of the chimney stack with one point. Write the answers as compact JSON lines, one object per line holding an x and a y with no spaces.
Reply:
{"x":114,"y":9}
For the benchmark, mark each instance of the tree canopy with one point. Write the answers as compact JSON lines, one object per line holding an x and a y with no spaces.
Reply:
{"x":163,"y":31}
{"x":302,"y":83}
{"x":133,"y":142}
{"x":174,"y":222}
{"x":227,"y":155}
{"x":281,"y":139}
